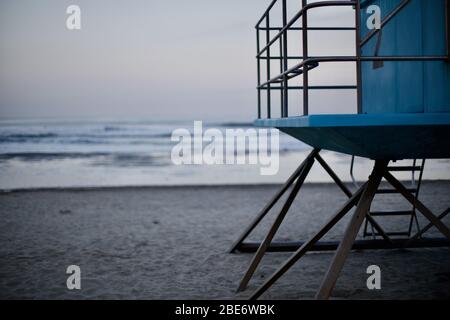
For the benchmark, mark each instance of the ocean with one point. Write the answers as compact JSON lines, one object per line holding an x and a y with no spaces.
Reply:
{"x":37,"y":153}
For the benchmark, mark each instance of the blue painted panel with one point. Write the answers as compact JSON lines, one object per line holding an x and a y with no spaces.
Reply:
{"x":377,"y":136}
{"x":407,"y":87}
{"x":360,"y":120}
{"x":436,"y":74}
{"x":409,"y":42}
{"x":379,"y":93}
{"x":379,"y":142}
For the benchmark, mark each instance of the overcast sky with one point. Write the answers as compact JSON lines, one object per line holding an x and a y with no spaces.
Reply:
{"x":162,"y":59}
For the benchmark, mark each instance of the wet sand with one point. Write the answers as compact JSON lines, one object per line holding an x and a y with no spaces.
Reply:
{"x":172,"y":242}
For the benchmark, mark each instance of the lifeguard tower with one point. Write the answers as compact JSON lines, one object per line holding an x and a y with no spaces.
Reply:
{"x":402,"y":112}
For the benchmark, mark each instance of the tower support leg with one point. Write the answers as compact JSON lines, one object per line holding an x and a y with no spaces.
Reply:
{"x":275,"y":226}
{"x":362,"y":199}
{"x":272,"y":202}
{"x":309,"y":244}
{"x":352,"y":231}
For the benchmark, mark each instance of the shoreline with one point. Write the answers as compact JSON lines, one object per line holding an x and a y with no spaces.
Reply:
{"x":181,"y":186}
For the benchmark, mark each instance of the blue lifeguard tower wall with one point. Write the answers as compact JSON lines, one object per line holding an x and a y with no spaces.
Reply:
{"x":419,"y":29}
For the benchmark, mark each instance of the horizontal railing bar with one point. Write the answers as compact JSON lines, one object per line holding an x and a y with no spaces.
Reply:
{"x":350,"y":59}
{"x":311,"y":28}
{"x":301,"y":12}
{"x":290,"y":57}
{"x":265,"y":13}
{"x":314,"y":87}
{"x":278,"y":58}
{"x":403,"y":58}
{"x":307,"y":61}
{"x":369,"y":58}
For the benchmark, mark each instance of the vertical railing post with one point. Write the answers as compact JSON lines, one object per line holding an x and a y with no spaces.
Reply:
{"x":305,"y":56}
{"x":358,"y":56}
{"x":281,"y":71}
{"x":258,"y":71}
{"x":268,"y":65}
{"x":285,"y":110}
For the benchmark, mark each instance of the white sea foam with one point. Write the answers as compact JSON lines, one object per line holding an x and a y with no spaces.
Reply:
{"x":42,"y":153}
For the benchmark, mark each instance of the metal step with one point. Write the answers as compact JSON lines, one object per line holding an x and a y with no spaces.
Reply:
{"x":405,"y":168}
{"x":391,"y":213}
{"x":409,"y":213}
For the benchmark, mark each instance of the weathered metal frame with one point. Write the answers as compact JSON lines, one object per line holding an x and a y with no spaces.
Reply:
{"x":308,"y":63}
{"x":314,"y":155}
{"x":362,"y":199}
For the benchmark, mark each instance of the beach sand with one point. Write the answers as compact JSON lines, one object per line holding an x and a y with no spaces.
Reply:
{"x":172,"y":242}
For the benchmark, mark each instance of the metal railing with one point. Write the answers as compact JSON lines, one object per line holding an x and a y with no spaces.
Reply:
{"x":307,"y":63}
